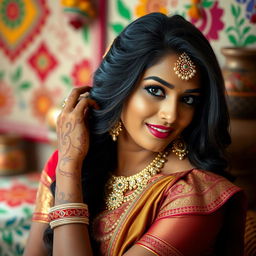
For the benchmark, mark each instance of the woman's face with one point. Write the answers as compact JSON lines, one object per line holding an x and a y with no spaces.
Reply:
{"x":161,"y":106}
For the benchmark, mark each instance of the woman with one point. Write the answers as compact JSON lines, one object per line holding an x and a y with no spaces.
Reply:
{"x":143,"y":154}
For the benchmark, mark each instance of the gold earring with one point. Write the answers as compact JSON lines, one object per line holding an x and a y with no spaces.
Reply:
{"x":115,"y":131}
{"x":184,"y":67}
{"x":179,"y":147}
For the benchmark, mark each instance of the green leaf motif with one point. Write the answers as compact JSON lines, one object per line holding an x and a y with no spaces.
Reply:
{"x":238,"y":11}
{"x":19,"y":250}
{"x":235,"y":11}
{"x":250,"y":40}
{"x":28,"y":212}
{"x":123,"y":10}
{"x":85,"y":33}
{"x":233,"y":40}
{"x":25,"y":85}
{"x":3,"y":211}
{"x":117,"y":27}
{"x":229,"y":29}
{"x":66,"y":80}
{"x":10,"y":222}
{"x":246,"y":30}
{"x":241,"y":22}
{"x":207,"y":4}
{"x":19,"y":232}
{"x":26,"y":227}
{"x":16,"y":75}
{"x":7,"y":237}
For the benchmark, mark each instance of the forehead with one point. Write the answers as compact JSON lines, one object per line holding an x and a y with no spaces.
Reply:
{"x":164,"y":69}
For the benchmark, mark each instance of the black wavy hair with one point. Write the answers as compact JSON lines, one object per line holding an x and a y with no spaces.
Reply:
{"x":140,"y":45}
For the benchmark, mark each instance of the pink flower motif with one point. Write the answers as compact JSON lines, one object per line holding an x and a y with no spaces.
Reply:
{"x":210,"y":22}
{"x":6,"y":99}
{"x":17,"y":195}
{"x":82,"y":73}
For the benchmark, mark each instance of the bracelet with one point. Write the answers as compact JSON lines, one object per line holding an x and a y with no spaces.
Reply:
{"x":60,"y":222}
{"x":68,"y":214}
{"x":68,"y":205}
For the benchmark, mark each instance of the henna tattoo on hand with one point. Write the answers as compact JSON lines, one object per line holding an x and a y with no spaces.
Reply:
{"x":62,"y":197}
{"x":65,"y":139}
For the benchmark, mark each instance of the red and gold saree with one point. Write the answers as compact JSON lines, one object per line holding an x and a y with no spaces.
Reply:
{"x":193,"y":212}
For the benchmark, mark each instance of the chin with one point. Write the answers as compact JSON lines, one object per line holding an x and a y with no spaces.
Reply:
{"x":158,"y":148}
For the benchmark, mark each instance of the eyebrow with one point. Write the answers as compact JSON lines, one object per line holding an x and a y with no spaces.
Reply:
{"x":193,"y":90}
{"x":163,"y":82}
{"x":160,"y":80}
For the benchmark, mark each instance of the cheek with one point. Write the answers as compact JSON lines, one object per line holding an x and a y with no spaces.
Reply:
{"x":136,"y":107}
{"x":187,"y":117}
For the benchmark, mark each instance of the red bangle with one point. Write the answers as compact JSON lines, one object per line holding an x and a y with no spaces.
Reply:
{"x":67,"y":213}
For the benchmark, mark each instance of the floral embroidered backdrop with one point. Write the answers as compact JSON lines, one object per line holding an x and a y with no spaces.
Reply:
{"x":224,"y":23}
{"x":41,"y":58}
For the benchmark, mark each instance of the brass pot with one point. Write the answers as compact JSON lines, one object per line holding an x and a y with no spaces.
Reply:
{"x":12,"y":155}
{"x":240,"y":80}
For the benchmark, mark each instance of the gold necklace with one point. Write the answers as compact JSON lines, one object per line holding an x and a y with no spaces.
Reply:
{"x":117,"y":186}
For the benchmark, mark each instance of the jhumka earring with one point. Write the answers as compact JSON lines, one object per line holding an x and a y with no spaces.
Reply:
{"x":184,"y":67}
{"x":179,"y":147}
{"x":115,"y":131}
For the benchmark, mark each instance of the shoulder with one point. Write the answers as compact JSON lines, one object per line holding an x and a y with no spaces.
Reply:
{"x":197,"y":192}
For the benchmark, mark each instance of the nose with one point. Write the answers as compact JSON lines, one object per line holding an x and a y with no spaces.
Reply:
{"x":169,"y":111}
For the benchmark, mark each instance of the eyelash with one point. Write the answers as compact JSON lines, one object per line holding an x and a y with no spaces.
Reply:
{"x":184,"y":99}
{"x":150,"y":89}
{"x":195,"y":101}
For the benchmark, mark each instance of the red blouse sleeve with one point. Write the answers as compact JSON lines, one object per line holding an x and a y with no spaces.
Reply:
{"x":44,"y":198}
{"x":196,"y":218}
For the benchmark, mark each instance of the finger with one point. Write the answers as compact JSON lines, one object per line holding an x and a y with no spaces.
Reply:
{"x":85,"y":103}
{"x":73,"y":97}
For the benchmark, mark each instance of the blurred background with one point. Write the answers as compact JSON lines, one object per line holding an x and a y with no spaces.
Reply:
{"x":49,"y":47}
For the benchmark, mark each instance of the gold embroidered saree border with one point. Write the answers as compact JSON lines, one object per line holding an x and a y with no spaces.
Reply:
{"x":141,"y":207}
{"x":205,"y":200}
{"x":44,"y":199}
{"x":158,"y":246}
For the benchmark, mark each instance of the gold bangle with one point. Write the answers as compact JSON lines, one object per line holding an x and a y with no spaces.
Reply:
{"x":68,"y":205}
{"x":73,"y":220}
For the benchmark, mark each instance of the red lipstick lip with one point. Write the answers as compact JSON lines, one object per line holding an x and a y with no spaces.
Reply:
{"x":159,"y":134}
{"x":161,"y":127}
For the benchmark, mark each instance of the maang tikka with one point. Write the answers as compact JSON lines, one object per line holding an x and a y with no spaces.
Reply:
{"x":184,"y":67}
{"x":115,"y":131}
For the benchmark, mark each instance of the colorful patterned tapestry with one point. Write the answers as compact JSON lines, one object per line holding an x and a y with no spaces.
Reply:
{"x":224,"y":23}
{"x":44,"y":53}
{"x":17,"y":202}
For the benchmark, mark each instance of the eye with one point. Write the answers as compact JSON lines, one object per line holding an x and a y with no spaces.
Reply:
{"x":190,"y":100}
{"x":155,"y":91}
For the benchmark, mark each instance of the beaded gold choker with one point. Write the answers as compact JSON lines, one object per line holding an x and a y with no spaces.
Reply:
{"x":117,"y":186}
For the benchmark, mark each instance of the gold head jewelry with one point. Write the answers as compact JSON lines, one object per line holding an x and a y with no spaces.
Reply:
{"x":184,"y":67}
{"x":179,"y":147}
{"x":117,"y":186}
{"x":115,"y":131}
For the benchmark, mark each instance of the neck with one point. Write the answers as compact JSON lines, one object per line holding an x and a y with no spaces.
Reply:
{"x":132,"y":158}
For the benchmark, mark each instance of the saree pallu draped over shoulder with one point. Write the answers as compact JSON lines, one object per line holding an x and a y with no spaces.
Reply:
{"x":171,"y":198}
{"x":144,"y":207}
{"x":193,"y":192}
